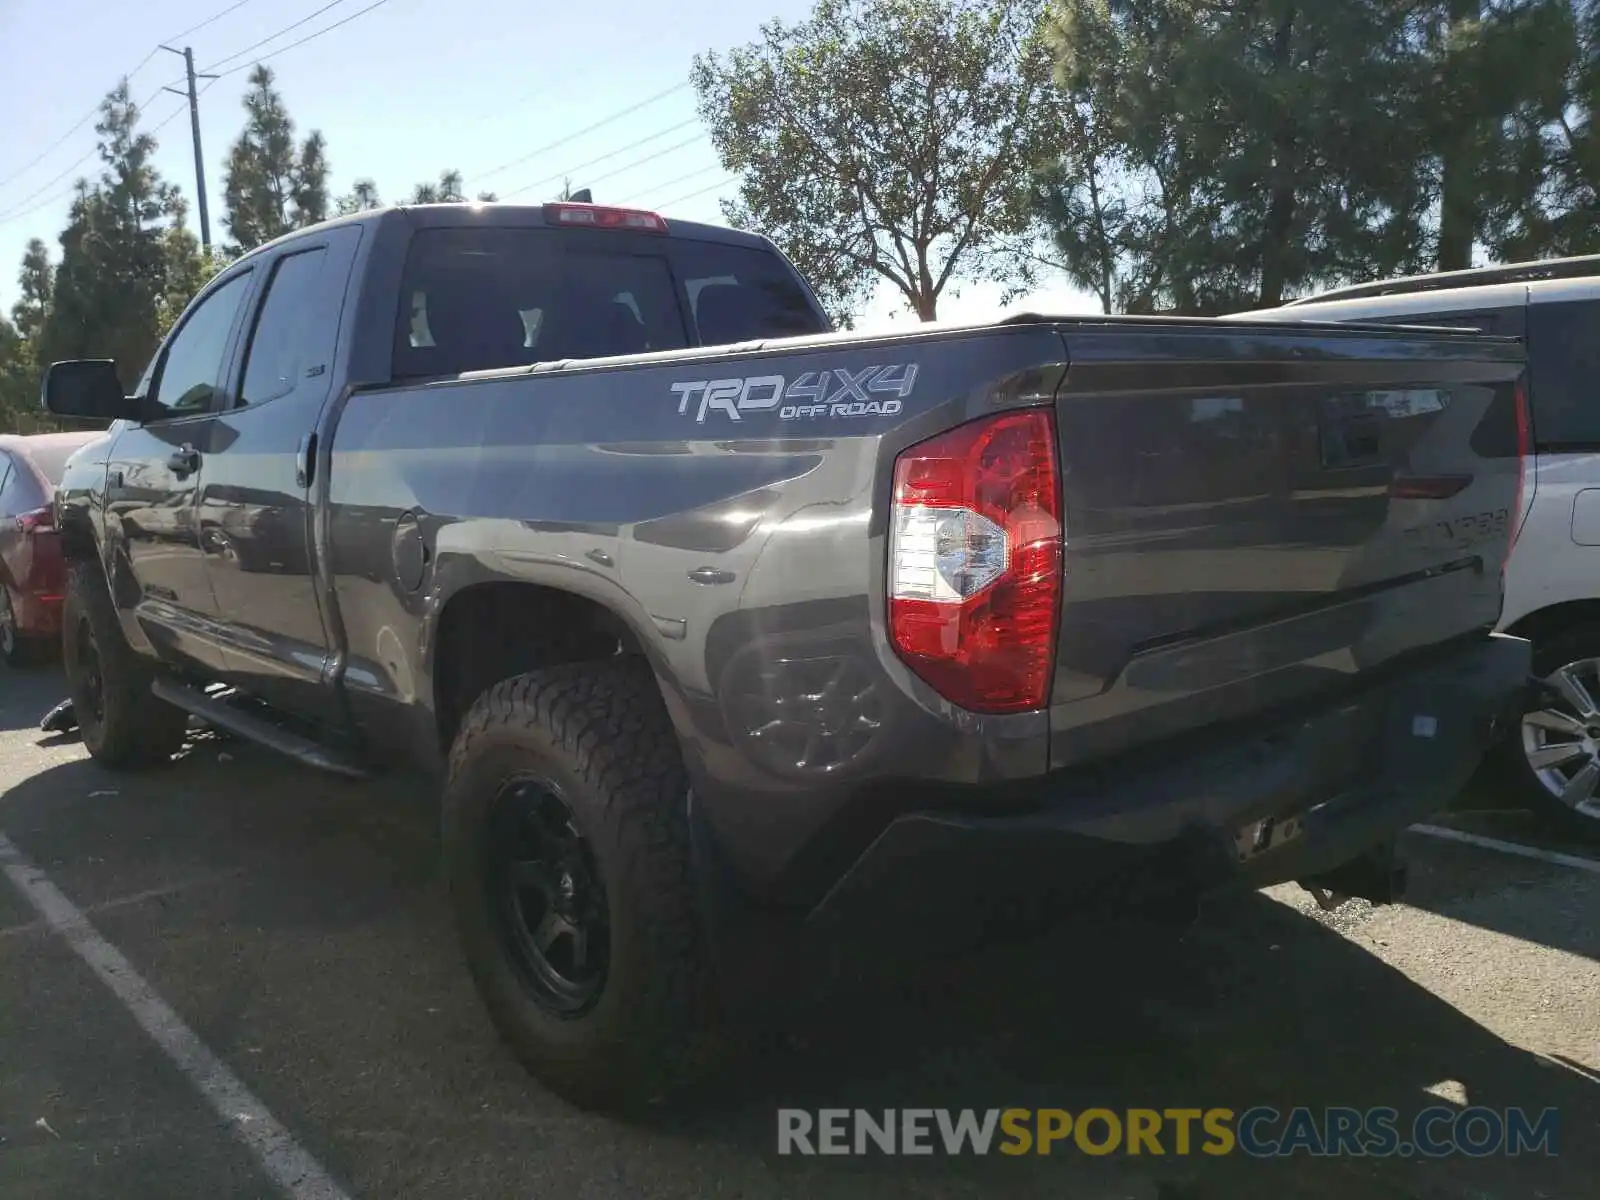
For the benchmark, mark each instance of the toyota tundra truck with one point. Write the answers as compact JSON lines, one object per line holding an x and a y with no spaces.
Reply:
{"x":731,"y":636}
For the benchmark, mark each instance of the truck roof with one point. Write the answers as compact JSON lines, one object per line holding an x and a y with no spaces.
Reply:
{"x":493,"y":214}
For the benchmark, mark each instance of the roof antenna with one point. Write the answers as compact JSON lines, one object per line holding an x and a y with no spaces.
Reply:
{"x":582,"y":197}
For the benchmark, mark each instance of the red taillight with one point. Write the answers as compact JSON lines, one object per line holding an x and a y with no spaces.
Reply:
{"x":975,"y":561}
{"x":36,"y":520}
{"x":595,"y":216}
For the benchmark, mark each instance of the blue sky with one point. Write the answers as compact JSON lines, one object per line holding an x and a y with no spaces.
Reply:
{"x":504,"y":92}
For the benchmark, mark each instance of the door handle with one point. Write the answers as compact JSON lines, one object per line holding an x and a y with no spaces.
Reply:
{"x":185,"y":460}
{"x":305,"y":460}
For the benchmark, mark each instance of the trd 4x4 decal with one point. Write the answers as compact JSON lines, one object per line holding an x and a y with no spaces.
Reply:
{"x":839,"y":392}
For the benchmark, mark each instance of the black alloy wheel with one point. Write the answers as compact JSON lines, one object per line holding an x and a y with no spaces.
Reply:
{"x":547,"y":895}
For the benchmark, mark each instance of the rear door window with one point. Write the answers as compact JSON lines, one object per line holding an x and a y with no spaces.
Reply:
{"x":285,"y":343}
{"x":1564,"y":374}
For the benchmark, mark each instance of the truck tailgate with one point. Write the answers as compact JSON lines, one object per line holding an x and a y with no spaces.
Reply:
{"x":1257,"y":516}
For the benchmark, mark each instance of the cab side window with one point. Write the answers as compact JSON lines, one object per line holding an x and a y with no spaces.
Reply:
{"x":8,"y":473}
{"x":191,"y":370}
{"x":284,"y":348}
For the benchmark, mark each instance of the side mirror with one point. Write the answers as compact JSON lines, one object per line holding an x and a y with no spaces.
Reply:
{"x":88,"y":389}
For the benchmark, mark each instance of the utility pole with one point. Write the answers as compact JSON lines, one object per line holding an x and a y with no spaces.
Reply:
{"x":194,"y":129}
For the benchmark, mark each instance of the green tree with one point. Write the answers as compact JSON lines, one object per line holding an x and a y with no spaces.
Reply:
{"x":189,"y":268}
{"x":1522,"y":175}
{"x":113,"y":277}
{"x":1221,"y":156}
{"x":16,"y":370}
{"x":19,"y":342}
{"x":447,"y":190}
{"x":37,"y":280}
{"x":270,"y":185}
{"x":1500,"y":76}
{"x":887,"y":140}
{"x":362,"y":196}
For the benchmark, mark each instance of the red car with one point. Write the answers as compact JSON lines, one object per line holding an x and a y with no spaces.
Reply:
{"x":31,"y":569}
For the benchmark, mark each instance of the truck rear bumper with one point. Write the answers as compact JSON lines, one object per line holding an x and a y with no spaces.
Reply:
{"x":1288,"y":804}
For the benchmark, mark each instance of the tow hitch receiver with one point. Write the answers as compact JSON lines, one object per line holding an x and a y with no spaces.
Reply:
{"x":1378,"y":876}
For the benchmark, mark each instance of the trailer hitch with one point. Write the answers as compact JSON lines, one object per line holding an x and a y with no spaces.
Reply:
{"x":1379,"y":876}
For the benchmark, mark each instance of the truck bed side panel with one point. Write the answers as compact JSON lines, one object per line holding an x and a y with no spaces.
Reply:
{"x":739,"y":548}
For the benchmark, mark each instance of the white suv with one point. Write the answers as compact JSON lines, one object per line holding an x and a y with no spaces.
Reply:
{"x":1553,"y":576}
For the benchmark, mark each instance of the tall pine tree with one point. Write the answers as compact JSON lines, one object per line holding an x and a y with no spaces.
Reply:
{"x":1499,"y":80}
{"x":110,"y":290}
{"x":271,"y":185}
{"x":1229,"y":156}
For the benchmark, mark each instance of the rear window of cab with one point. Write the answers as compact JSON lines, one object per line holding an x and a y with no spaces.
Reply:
{"x":475,"y":299}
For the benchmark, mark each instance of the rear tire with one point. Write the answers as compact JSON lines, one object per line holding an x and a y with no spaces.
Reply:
{"x":122,"y":723}
{"x":1555,"y":743}
{"x":565,"y":820}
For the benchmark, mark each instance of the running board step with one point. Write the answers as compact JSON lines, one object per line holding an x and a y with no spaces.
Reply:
{"x":256,"y":729}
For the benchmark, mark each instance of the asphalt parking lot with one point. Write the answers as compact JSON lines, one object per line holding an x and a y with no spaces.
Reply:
{"x":295,"y":925}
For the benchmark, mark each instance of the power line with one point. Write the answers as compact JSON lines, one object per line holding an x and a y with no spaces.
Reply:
{"x":14,"y":214}
{"x":572,"y":137}
{"x":721,"y":184}
{"x":634,"y":199}
{"x":572,"y":171}
{"x":566,"y":81}
{"x":623,"y":170}
{"x":46,"y":152}
{"x":271,"y":37}
{"x":55,"y":179}
{"x":90,"y":115}
{"x":217,"y":16}
{"x":310,"y":37}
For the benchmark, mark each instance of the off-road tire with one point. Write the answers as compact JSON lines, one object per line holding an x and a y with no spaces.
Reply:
{"x":1508,"y":760}
{"x":134,"y":728}
{"x":599,"y":732}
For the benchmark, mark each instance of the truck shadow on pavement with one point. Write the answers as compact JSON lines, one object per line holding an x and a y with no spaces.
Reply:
{"x":315,"y":940}
{"x":27,"y":693}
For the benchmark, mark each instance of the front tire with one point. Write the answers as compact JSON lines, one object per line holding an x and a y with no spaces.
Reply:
{"x":122,"y":723}
{"x":566,"y":847}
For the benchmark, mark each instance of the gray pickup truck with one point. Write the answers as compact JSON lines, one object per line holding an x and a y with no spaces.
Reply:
{"x":733,"y":638}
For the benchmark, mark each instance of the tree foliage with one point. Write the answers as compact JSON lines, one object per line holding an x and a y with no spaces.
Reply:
{"x":129,"y":265}
{"x":447,"y":190}
{"x":272,"y":185}
{"x":1224,"y":154}
{"x":117,"y":267}
{"x":362,"y":197}
{"x":887,"y":140}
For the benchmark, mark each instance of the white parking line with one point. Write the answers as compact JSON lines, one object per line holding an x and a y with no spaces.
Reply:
{"x":1577,"y":862}
{"x":285,"y":1162}
{"x":160,"y":893}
